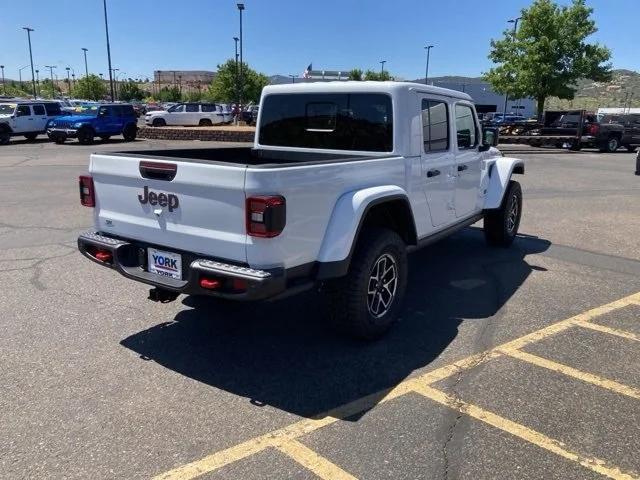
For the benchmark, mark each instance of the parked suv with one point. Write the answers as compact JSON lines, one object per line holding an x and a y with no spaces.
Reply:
{"x":26,"y":118}
{"x":102,"y":120}
{"x":187,"y":114}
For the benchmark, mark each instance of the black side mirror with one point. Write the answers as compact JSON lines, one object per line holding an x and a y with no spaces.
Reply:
{"x":489,"y":138}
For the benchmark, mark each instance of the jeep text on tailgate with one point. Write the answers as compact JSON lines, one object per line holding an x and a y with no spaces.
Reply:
{"x":342,"y":179}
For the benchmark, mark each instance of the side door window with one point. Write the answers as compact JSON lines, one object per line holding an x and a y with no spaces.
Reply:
{"x":468,"y":199}
{"x":39,"y":117}
{"x":438,"y":161}
{"x":192,"y":116}
{"x":24,"y":120}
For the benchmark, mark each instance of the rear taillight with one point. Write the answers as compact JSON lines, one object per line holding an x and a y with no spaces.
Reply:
{"x":594,"y":128}
{"x":87,"y":193}
{"x":266,"y":216}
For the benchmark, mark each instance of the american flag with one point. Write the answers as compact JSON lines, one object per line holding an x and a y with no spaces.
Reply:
{"x":307,"y":72}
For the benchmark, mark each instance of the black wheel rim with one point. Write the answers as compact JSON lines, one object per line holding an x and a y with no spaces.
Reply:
{"x":382,"y":285}
{"x":512,"y":214}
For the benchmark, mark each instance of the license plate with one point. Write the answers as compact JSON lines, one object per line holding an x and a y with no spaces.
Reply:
{"x":167,"y":264}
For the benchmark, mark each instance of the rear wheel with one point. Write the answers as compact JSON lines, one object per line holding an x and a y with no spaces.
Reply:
{"x":129,"y":133}
{"x":205,"y":122}
{"x":501,"y":225}
{"x":30,"y":136}
{"x":86,"y":136}
{"x":366,"y":303}
{"x":158,"y":122}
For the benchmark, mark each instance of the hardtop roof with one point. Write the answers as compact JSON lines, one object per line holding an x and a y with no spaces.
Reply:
{"x":390,"y":87}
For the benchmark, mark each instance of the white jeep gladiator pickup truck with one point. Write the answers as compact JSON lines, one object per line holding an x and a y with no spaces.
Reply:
{"x":344,"y":179}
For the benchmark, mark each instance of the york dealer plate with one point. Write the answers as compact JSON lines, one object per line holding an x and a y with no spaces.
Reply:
{"x":163,"y":263}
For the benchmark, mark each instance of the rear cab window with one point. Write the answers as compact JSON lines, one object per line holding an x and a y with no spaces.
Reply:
{"x":435,"y":125}
{"x":331,"y":121}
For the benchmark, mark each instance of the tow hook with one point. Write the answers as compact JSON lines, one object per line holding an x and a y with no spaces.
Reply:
{"x":161,"y":295}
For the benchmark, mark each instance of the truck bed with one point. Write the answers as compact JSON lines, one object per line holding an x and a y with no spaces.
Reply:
{"x":247,"y":156}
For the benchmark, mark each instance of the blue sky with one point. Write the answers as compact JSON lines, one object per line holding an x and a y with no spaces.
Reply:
{"x":281,"y":36}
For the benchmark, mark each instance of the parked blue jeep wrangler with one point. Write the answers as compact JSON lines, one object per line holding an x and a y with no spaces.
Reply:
{"x":90,"y":121}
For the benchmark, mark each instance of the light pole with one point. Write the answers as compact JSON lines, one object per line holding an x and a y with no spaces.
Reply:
{"x":73,"y":79}
{"x":53,"y":90}
{"x":382,"y":62}
{"x":4,"y":86}
{"x":293,"y":78}
{"x":106,"y":28}
{"x":506,"y":95}
{"x":33,"y":77}
{"x":20,"y":74}
{"x":86,"y":68}
{"x":113,"y":77}
{"x":426,"y":70}
{"x":236,"y":40}
{"x":68,"y":69}
{"x":38,"y":79}
{"x":241,"y":79}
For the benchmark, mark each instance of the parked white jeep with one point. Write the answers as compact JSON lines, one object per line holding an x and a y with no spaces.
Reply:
{"x":188,"y":114}
{"x":26,"y":118}
{"x":343,"y":179}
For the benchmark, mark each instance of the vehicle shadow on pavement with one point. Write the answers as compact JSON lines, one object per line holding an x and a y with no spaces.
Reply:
{"x":283,"y":353}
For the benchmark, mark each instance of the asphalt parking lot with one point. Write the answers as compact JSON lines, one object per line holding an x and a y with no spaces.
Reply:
{"x":519,"y":363}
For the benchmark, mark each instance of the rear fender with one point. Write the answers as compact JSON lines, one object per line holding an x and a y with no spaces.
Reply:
{"x":499,"y":175}
{"x":346,"y":219}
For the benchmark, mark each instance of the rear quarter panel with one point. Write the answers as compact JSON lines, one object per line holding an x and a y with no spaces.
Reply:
{"x":312,"y":192}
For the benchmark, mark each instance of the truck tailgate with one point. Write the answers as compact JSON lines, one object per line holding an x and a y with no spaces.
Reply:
{"x":201,"y":209}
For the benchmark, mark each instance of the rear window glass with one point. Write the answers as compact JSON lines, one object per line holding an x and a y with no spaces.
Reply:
{"x":206,"y":107}
{"x":342,"y":121}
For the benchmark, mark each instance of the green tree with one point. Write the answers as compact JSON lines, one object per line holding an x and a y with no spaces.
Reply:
{"x":130,"y":91}
{"x":169,"y":94}
{"x":377,"y":76}
{"x":49,"y":89}
{"x":90,"y":88}
{"x":355,"y":74}
{"x":548,"y":54}
{"x":224,"y":86}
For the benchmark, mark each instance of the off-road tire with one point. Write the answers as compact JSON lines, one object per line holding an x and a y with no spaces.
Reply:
{"x":610,"y":145}
{"x":129,"y":133}
{"x":158,"y":122}
{"x":86,"y":136}
{"x":348,"y":298}
{"x":501,"y":225}
{"x":5,"y":137}
{"x":205,"y":122}
{"x":30,"y":136}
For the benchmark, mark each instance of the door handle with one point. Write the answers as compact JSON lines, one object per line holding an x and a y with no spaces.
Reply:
{"x":462,"y":168}
{"x":433,"y":173}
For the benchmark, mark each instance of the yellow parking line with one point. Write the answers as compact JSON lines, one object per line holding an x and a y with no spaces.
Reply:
{"x":523,"y":432}
{"x":572,"y":372}
{"x":275,"y":438}
{"x":611,"y":331}
{"x":319,"y":465}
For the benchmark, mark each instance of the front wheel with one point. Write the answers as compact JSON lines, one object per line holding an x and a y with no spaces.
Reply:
{"x":611,"y":145}
{"x":501,"y":225}
{"x":4,"y":138}
{"x":158,"y":122}
{"x":366,"y":303}
{"x":85,"y":136}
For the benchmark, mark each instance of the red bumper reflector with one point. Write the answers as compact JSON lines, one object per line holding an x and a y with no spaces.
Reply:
{"x":103,"y":256}
{"x":209,"y":283}
{"x":239,"y":284}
